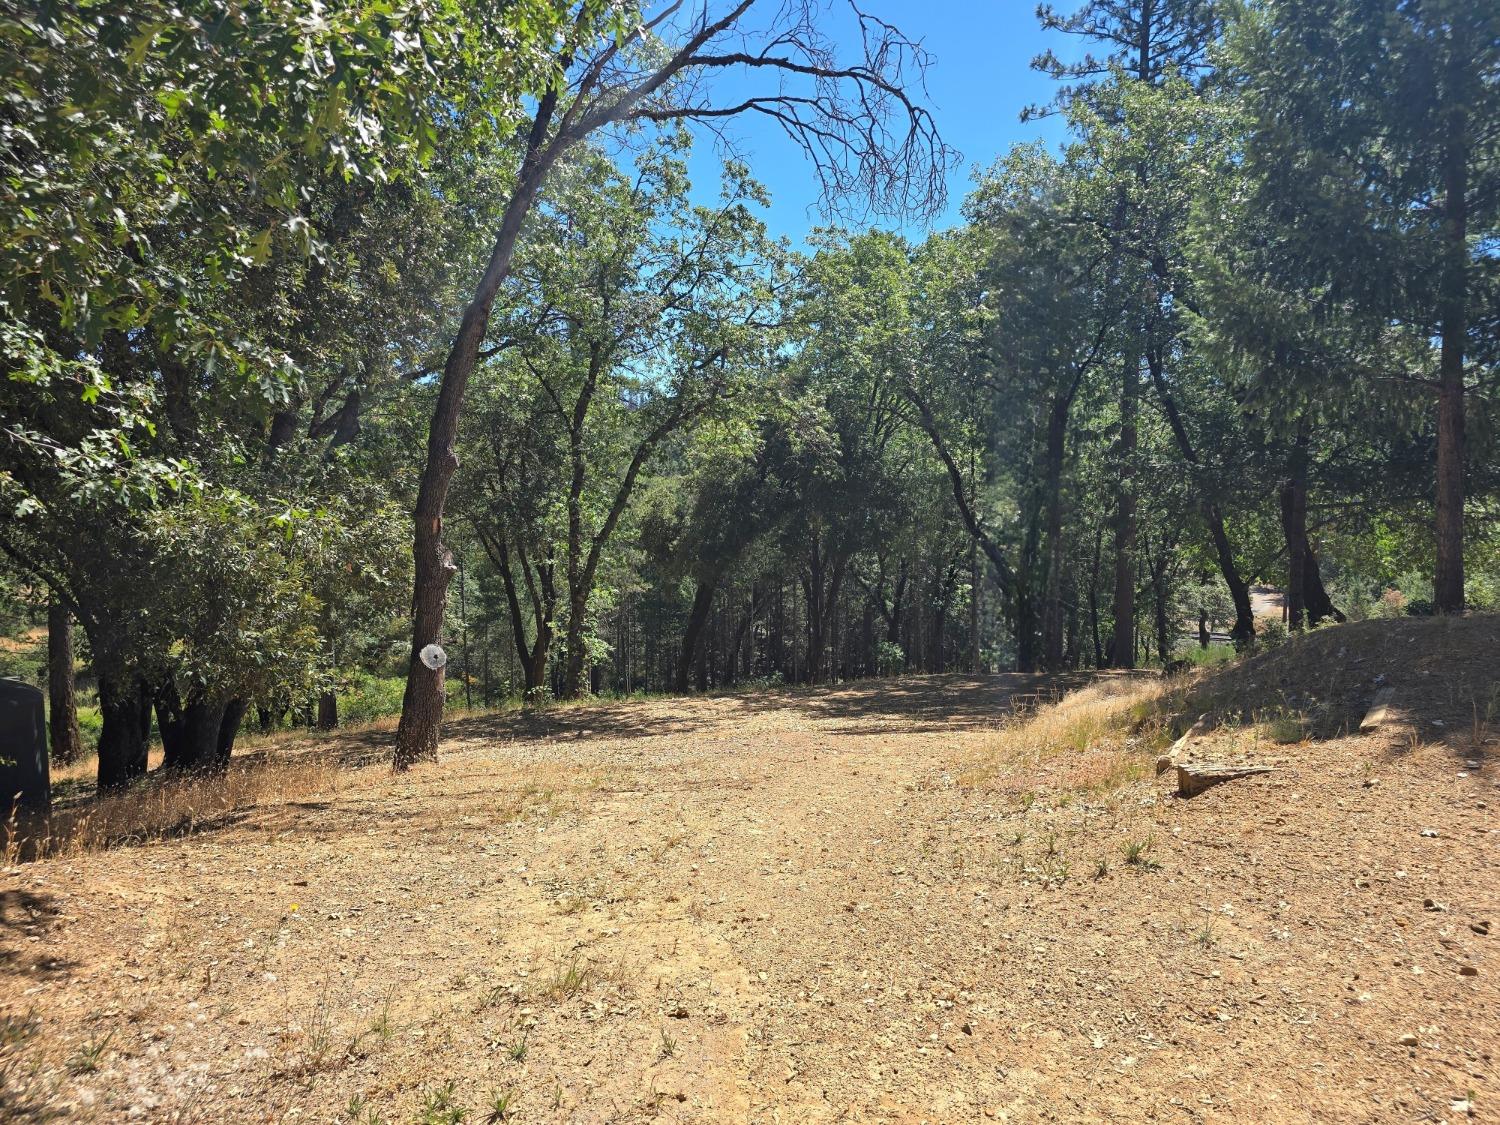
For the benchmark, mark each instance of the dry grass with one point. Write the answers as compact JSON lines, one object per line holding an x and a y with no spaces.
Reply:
{"x":1113,"y":723}
{"x":163,"y":807}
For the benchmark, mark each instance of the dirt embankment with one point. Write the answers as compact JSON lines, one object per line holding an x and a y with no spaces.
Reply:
{"x":886,"y":902}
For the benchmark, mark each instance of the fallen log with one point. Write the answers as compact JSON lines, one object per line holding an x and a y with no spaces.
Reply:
{"x":1194,"y":777}
{"x":1197,"y":730}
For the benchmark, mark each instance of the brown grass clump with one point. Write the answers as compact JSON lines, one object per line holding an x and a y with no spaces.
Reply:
{"x":1113,"y":724}
{"x":162,"y":807}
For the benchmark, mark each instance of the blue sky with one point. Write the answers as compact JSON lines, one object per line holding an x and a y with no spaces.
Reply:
{"x":979,"y":81}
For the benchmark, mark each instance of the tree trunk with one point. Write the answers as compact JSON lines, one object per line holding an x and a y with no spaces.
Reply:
{"x":190,"y":733}
{"x":328,"y":710}
{"x":1052,"y":615}
{"x":1448,"y":579}
{"x":1243,"y":631}
{"x":703,"y":600}
{"x":1122,"y":649}
{"x":67,"y":745}
{"x":575,"y":680}
{"x":1294,"y":528}
{"x":229,"y":729}
{"x":122,"y":745}
{"x":422,"y":704}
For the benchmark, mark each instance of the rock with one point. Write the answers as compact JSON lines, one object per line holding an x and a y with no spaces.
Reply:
{"x":1408,"y":1040}
{"x":1468,"y":971}
{"x":1435,"y":907}
{"x":967,"y":1029}
{"x":1480,"y":928}
{"x":1430,"y":833}
{"x":1194,"y":778}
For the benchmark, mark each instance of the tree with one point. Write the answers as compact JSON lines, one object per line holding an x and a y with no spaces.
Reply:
{"x":1381,"y":179}
{"x":856,"y":121}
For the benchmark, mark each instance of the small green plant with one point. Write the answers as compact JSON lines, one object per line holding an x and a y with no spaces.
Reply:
{"x":1101,"y":869}
{"x":1207,"y":938}
{"x":88,"y":1057}
{"x":440,"y":1108}
{"x":1055,"y":872}
{"x":500,"y":1106}
{"x":668,"y":1045}
{"x":1051,"y":843}
{"x":517,"y":1051}
{"x":557,"y":1096}
{"x":1138,"y":854}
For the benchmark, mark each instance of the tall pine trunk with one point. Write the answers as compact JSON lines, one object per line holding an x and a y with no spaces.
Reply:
{"x":1448,"y":580}
{"x":1122,"y":647}
{"x":1052,"y":609}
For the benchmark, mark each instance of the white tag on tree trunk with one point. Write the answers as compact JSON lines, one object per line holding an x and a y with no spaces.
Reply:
{"x":433,"y":656}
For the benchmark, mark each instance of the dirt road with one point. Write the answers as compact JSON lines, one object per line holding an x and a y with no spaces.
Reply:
{"x":787,"y":907}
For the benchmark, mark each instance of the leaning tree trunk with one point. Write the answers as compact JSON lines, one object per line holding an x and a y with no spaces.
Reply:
{"x":1448,"y":578}
{"x":422,"y":704}
{"x":1243,"y":631}
{"x":229,"y":729}
{"x":1307,"y":601}
{"x":62,"y":700}
{"x":703,"y":600}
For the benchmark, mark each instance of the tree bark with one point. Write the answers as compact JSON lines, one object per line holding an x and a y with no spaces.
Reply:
{"x":67,"y":745}
{"x":229,"y":729}
{"x":122,"y":744}
{"x":328,"y":710}
{"x":1052,"y":615}
{"x":1448,"y":579}
{"x":422,"y":704}
{"x":1122,"y":648}
{"x":703,"y":600}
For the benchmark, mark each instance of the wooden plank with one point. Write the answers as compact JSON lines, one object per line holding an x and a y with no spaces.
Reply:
{"x":1379,"y":706}
{"x":1193,"y":778}
{"x":1197,"y":730}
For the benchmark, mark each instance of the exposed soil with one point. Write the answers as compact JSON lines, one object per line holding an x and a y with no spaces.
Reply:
{"x":849,"y":904}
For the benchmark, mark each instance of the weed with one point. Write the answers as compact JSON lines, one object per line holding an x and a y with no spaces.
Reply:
{"x":500,"y":1106}
{"x":1138,"y":854}
{"x":1051,"y":844}
{"x":518,"y":1050}
{"x":1054,"y":872}
{"x":440,"y":1108}
{"x":557,"y":1096}
{"x":89,"y":1056}
{"x":1101,"y":869}
{"x":1206,"y":937}
{"x":668,"y":1045}
{"x":568,"y":981}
